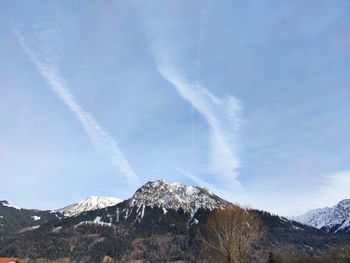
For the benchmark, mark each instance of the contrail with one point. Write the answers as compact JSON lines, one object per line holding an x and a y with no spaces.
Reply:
{"x":201,"y":36}
{"x":98,"y":136}
{"x":202,"y":24}
{"x":222,"y":116}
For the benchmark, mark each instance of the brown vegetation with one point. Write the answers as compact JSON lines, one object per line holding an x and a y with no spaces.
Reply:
{"x":231,"y":231}
{"x":291,"y":254}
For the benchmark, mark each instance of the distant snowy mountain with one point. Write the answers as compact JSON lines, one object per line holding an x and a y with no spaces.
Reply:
{"x":174,"y":196}
{"x":90,"y":203}
{"x":334,"y":219}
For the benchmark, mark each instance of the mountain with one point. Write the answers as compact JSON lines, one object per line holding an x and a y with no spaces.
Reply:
{"x":335,"y":219}
{"x":159,"y":223}
{"x":174,"y":196}
{"x":88,"y":204}
{"x":13,"y":219}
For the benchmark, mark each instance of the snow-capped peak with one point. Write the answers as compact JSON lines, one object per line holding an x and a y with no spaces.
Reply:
{"x":334,"y":219}
{"x":90,"y":203}
{"x":174,"y":196}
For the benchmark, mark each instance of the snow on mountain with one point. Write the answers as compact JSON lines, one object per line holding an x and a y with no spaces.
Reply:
{"x":174,"y":196}
{"x":6,"y":203}
{"x":91,"y":203}
{"x":332,"y":219}
{"x":36,"y":218}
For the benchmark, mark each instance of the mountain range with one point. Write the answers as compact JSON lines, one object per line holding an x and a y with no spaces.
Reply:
{"x":159,"y":223}
{"x":334,"y":219}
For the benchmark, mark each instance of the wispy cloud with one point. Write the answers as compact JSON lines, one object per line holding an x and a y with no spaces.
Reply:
{"x":334,"y":189}
{"x":329,"y":191}
{"x":222,"y":115}
{"x":44,"y":60}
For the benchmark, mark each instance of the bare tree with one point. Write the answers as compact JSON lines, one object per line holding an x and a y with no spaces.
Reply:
{"x":231,"y":231}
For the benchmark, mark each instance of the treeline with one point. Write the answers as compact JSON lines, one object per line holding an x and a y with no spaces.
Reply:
{"x":290,"y":254}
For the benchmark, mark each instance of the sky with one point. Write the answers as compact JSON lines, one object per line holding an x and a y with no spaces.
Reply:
{"x":250,"y":99}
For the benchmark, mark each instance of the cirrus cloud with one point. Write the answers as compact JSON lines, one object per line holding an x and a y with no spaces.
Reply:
{"x":44,"y":59}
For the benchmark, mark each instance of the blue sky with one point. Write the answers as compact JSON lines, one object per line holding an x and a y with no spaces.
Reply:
{"x":248,"y":98}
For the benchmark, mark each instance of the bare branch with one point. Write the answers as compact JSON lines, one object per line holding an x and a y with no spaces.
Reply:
{"x":231,"y":231}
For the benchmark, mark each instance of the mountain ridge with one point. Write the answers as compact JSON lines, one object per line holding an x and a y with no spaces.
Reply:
{"x":335,"y":219}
